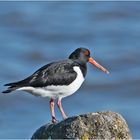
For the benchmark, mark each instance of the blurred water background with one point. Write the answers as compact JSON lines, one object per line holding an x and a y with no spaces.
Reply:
{"x":33,"y":34}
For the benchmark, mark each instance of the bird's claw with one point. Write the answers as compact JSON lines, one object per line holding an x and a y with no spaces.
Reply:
{"x":54,"y":120}
{"x":65,"y":117}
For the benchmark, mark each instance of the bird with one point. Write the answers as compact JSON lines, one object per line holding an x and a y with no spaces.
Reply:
{"x":58,"y":79}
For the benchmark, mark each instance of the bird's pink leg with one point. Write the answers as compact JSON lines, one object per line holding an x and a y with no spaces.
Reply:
{"x":52,"y":111}
{"x":59,"y":104}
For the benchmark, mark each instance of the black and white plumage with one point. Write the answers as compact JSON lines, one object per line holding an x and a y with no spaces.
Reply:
{"x":58,"y":79}
{"x":54,"y":75}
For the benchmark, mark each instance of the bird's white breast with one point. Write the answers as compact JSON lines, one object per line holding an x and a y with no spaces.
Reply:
{"x":59,"y":91}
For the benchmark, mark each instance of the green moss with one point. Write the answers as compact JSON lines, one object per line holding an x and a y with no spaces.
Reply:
{"x":85,"y":136}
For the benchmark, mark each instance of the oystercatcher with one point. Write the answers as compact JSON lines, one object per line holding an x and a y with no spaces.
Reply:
{"x":57,"y":79}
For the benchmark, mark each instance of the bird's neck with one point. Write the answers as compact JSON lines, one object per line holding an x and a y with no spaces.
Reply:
{"x":82,"y":65}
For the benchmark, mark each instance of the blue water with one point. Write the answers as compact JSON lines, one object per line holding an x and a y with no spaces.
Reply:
{"x":33,"y":34}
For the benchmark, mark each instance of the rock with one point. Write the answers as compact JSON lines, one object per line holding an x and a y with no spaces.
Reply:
{"x":100,"y":125}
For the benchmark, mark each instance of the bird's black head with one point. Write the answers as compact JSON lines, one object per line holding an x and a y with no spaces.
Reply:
{"x":82,"y":54}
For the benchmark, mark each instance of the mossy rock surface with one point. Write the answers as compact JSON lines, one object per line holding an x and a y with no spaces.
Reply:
{"x":100,"y":125}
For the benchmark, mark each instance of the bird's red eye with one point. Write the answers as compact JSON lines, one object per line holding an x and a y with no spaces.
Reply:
{"x":86,"y":52}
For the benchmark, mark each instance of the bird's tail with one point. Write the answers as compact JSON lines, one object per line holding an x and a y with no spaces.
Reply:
{"x":12,"y":87}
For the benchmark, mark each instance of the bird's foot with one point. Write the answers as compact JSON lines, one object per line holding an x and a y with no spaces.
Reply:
{"x":54,"y":120}
{"x":64,"y":117}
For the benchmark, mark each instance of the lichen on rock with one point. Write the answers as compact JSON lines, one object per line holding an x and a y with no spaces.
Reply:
{"x":100,"y":125}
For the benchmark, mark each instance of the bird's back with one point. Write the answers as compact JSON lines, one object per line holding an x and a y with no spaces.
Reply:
{"x":56,"y":73}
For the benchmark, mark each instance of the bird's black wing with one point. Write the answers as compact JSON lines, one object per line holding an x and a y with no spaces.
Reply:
{"x":57,"y":73}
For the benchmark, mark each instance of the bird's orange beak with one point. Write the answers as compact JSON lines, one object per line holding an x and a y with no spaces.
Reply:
{"x":93,"y":62}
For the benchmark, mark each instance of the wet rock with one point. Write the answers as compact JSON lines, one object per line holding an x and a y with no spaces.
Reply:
{"x":100,"y":125}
